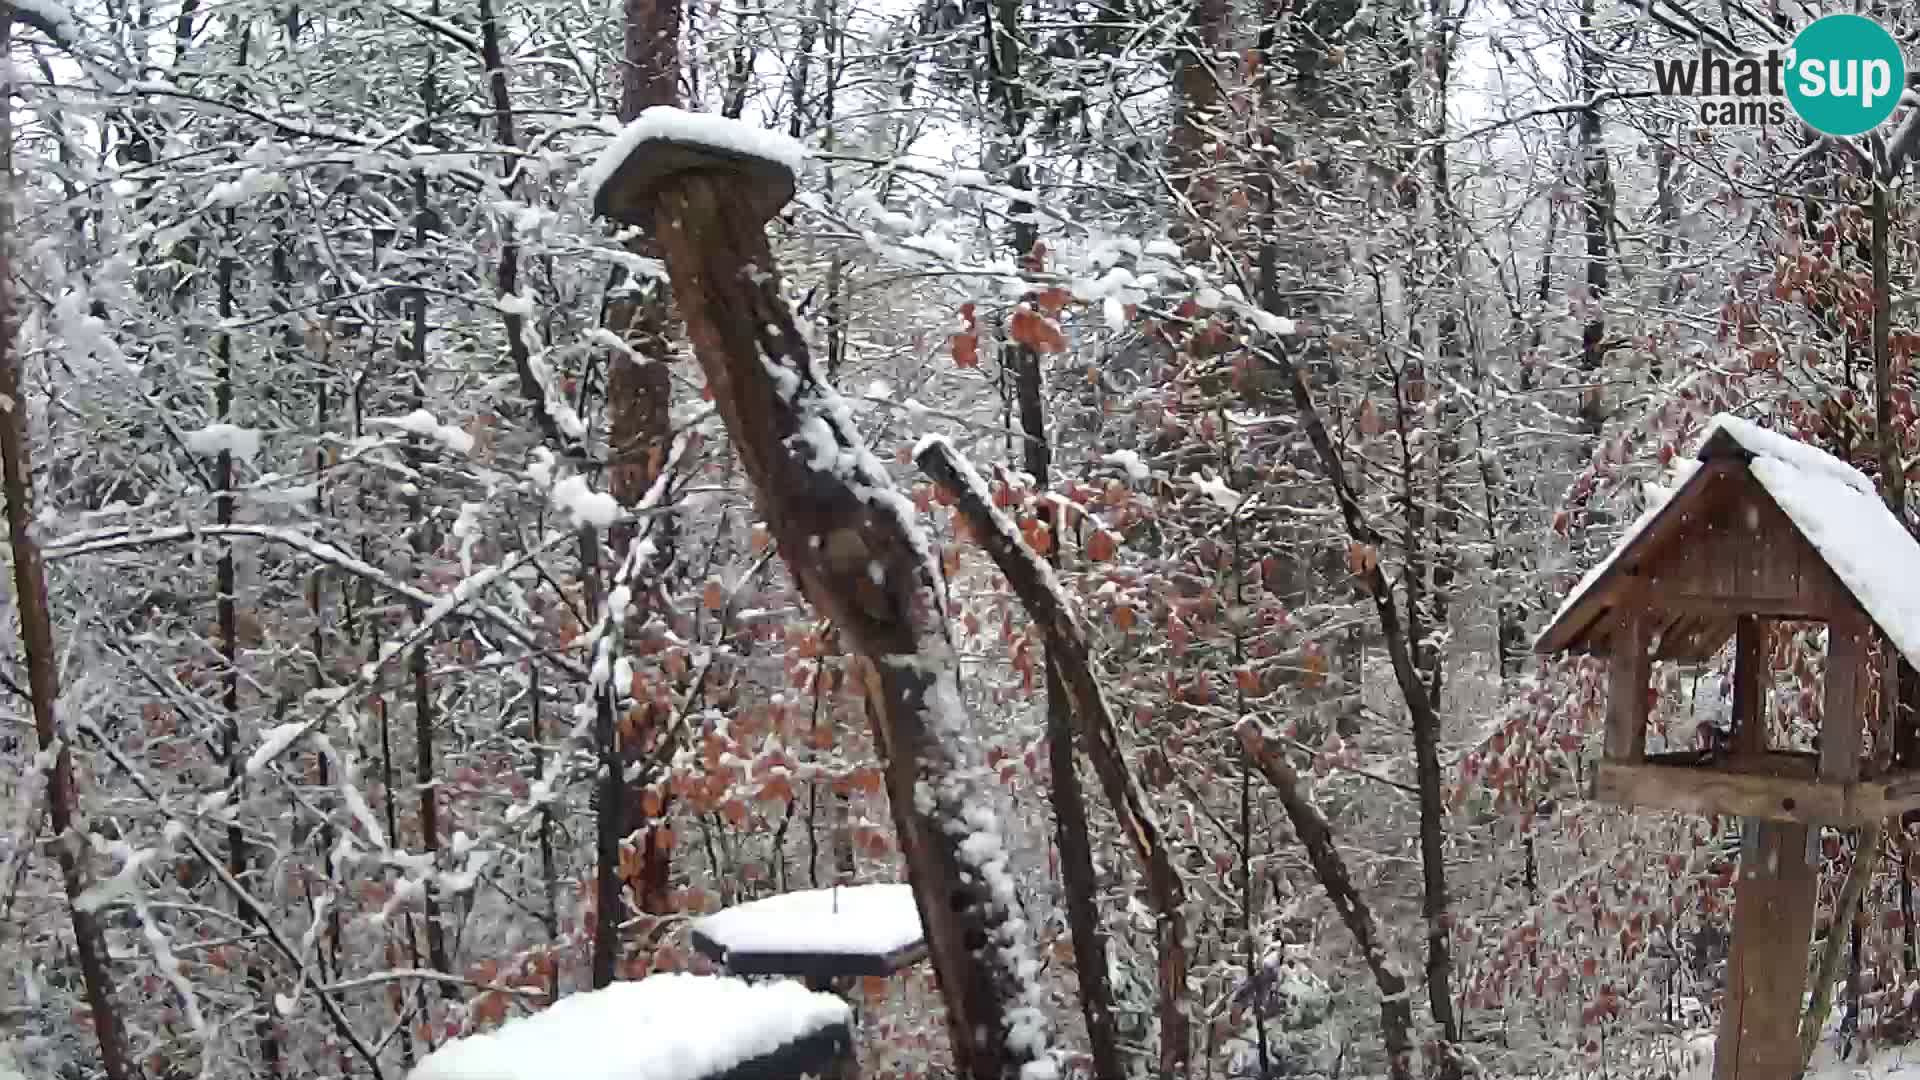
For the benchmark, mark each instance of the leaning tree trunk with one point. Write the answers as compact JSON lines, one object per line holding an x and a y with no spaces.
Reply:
{"x":1316,"y":835}
{"x":36,"y":635}
{"x":850,"y":539}
{"x":1074,"y":685}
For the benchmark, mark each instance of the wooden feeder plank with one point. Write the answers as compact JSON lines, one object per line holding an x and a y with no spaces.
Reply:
{"x":819,"y":1054}
{"x":1628,"y":675}
{"x":1759,"y":1037}
{"x":1846,"y":692}
{"x":1723,"y":790}
{"x":1751,"y":681}
{"x":811,"y":966}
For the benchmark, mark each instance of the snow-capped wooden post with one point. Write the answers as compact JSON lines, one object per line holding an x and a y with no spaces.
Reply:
{"x":1764,"y":529}
{"x":706,"y":187}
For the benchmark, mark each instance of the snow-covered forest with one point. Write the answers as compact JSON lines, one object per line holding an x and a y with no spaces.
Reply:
{"x":408,"y":630}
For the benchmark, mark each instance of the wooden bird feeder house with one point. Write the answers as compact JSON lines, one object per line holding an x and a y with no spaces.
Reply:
{"x":1766,"y":529}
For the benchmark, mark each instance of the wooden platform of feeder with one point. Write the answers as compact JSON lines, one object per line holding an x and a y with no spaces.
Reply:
{"x":1779,"y":787}
{"x":817,"y":934}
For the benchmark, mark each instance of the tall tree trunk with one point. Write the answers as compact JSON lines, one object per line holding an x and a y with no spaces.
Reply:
{"x":534,"y":383}
{"x":1450,"y":339}
{"x":226,"y":615}
{"x":36,"y":637}
{"x":1597,"y":180}
{"x":639,"y":431}
{"x":425,"y":758}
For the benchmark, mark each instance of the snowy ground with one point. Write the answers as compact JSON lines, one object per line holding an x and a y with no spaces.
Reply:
{"x":1888,"y":1063}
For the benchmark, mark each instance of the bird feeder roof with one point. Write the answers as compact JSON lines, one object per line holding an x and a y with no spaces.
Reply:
{"x":817,"y":933}
{"x":1765,"y":525}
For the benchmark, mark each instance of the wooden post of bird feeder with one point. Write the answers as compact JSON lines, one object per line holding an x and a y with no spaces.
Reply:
{"x":706,"y":187}
{"x":1773,"y":902}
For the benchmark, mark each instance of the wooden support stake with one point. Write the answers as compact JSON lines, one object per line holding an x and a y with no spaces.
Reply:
{"x":1845,"y":702}
{"x":1759,"y":1035}
{"x":1628,"y":673}
{"x":839,"y":524}
{"x":1751,"y":679}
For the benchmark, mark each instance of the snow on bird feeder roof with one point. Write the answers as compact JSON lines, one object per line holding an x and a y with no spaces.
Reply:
{"x":817,"y":933}
{"x":1832,"y":505}
{"x":663,"y":1027}
{"x":664,"y":142}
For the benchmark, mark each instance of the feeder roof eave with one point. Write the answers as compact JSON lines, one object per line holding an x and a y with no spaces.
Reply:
{"x":1571,"y":625}
{"x":1832,"y":505}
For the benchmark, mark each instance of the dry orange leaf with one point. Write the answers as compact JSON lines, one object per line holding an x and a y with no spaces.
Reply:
{"x":966,"y":350}
{"x":1362,"y":559}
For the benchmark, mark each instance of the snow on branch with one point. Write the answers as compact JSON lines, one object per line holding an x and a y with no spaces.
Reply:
{"x":262,"y":916}
{"x":1035,"y":583}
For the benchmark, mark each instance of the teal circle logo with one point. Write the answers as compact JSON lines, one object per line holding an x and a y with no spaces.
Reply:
{"x":1845,"y":74}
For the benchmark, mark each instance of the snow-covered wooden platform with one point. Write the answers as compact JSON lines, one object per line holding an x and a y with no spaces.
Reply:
{"x":817,"y":933}
{"x":663,"y":1027}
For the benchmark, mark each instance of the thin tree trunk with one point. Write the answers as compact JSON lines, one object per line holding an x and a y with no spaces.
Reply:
{"x":1316,"y":836}
{"x":533,"y":384}
{"x":639,"y":427}
{"x":1436,"y":555}
{"x":226,"y":614}
{"x":36,"y":637}
{"x":1866,"y":855}
{"x":1598,"y":181}
{"x":426,"y":761}
{"x":1004,"y":40}
{"x":1198,"y":101}
{"x":1047,"y":605}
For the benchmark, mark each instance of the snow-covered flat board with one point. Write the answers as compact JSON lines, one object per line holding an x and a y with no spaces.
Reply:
{"x":818,"y":933}
{"x":663,"y":1027}
{"x":664,"y":141}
